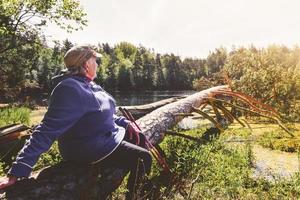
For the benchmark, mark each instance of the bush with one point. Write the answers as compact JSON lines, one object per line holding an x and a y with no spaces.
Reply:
{"x":271,"y":75}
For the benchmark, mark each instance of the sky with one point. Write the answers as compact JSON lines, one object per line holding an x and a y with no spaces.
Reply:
{"x":187,"y":28}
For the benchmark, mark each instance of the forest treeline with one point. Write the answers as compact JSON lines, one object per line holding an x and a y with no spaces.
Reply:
{"x":27,"y":62}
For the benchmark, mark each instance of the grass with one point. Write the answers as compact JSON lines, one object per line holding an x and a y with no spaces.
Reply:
{"x":11,"y":115}
{"x":269,"y":135}
{"x":278,"y":140}
{"x":215,"y":170}
{"x":14,"y":115}
{"x":21,"y":115}
{"x":219,"y":171}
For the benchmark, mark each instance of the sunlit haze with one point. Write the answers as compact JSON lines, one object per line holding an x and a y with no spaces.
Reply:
{"x":188,"y":28}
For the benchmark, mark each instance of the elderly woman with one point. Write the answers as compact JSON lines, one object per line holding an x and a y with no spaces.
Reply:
{"x":81,"y":117}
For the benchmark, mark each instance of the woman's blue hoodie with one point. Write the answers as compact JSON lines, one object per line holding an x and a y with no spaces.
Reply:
{"x":81,"y":117}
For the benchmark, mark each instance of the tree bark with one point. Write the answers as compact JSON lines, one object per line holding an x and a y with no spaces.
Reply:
{"x":142,"y":110}
{"x":69,"y":181}
{"x":157,"y":122}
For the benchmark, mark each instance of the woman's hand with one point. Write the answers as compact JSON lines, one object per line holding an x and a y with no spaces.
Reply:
{"x":134,"y":133}
{"x":7,"y":181}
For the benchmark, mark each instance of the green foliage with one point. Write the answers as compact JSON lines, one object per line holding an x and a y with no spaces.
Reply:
{"x":14,"y":115}
{"x":8,"y":150}
{"x":218,"y":171}
{"x":49,"y":63}
{"x":124,"y":82}
{"x":126,"y":50}
{"x":22,"y":42}
{"x":216,"y":60}
{"x":2,"y":169}
{"x":202,"y":83}
{"x":271,"y":75}
{"x":19,"y":14}
{"x":176,"y":76}
{"x":126,"y":67}
{"x":211,"y":73}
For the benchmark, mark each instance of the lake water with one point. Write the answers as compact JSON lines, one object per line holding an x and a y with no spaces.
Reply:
{"x":145,"y":97}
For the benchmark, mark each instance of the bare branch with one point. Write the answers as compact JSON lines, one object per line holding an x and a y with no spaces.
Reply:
{"x":219,"y":126}
{"x":257,"y":113}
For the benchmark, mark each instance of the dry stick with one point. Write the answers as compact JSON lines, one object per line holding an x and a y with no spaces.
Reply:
{"x":154,"y":151}
{"x":228,"y":113}
{"x":124,"y":113}
{"x":255,"y":101}
{"x":169,"y":132}
{"x":217,"y":113}
{"x":207,"y":117}
{"x":248,"y":125}
{"x":250,"y":101}
{"x":197,"y":117}
{"x":251,"y":111}
{"x":203,"y":106}
{"x":136,"y":177}
{"x":149,"y":145}
{"x":128,"y":117}
{"x":161,"y":161}
{"x":263,"y":115}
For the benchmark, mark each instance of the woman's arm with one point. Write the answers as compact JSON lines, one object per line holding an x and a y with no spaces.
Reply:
{"x":65,"y":109}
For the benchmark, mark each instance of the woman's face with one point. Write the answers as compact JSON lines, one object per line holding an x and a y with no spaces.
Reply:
{"x":91,"y":68}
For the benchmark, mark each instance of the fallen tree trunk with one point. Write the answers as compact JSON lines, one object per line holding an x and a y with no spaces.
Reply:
{"x":67,"y":181}
{"x":157,"y":122}
{"x":141,"y":110}
{"x":136,"y":111}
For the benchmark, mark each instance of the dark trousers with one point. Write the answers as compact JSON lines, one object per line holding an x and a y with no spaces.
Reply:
{"x":133,"y":158}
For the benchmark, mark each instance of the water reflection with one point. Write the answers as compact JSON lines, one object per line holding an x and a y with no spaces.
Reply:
{"x":145,"y":97}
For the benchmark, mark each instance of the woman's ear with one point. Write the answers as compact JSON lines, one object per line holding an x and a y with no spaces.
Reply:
{"x":85,"y":66}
